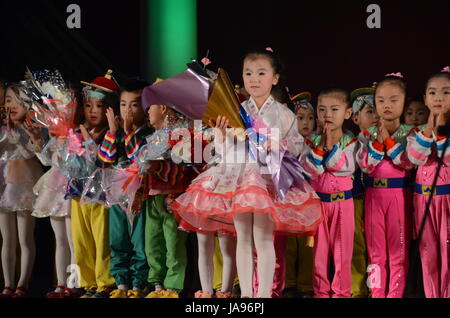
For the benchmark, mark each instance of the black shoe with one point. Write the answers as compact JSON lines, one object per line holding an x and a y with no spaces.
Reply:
{"x":236,"y":291}
{"x":102,"y":294}
{"x":88,"y":293}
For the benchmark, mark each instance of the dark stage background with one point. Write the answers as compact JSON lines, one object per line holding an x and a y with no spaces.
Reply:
{"x":322,"y":43}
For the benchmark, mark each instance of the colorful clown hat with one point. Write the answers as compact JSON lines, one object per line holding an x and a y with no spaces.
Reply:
{"x":104,"y":83}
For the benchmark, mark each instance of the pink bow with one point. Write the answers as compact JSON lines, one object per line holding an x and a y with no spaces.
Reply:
{"x":446,"y":69}
{"x":75,"y":145}
{"x":206,"y":61}
{"x":398,"y":74}
{"x":269,"y":49}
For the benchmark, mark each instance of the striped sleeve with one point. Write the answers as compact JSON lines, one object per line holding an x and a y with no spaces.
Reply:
{"x":341,"y":162}
{"x":441,"y":143}
{"x":313,"y":162}
{"x":397,"y":152}
{"x":107,"y":152}
{"x":369,"y":153}
{"x":419,"y":148}
{"x":169,"y":172}
{"x":132,"y":145}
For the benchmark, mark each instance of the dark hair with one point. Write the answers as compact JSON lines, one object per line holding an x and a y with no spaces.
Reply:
{"x":395,"y":80}
{"x":441,"y":74}
{"x":275,"y":62}
{"x":336,"y":91}
{"x":133,"y":85}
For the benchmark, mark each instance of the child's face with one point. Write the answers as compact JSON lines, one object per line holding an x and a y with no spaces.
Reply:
{"x":258,"y":75}
{"x":333,"y":111}
{"x":131,"y":101}
{"x":366,"y":117}
{"x":95,"y":112}
{"x":416,"y":114}
{"x":156,"y":115}
{"x":389,"y":100}
{"x":437,"y":95}
{"x":17,"y":111}
{"x":305,"y":121}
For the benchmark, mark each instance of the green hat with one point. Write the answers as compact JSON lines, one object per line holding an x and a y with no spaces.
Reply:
{"x":362,"y":96}
{"x":302,"y":100}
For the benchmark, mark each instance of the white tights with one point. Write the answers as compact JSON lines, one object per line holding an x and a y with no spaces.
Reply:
{"x":206,"y":248}
{"x":12,"y":225}
{"x":255,"y":230}
{"x":64,"y":249}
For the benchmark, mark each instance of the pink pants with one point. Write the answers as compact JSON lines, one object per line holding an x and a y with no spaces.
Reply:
{"x":334,"y":236}
{"x":435,"y":244}
{"x":279,"y":278}
{"x":388,"y":235}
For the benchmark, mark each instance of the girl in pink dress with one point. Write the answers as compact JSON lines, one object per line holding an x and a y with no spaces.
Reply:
{"x":239,"y":191}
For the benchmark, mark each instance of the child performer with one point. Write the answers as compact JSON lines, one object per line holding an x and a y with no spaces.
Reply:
{"x":18,"y":143}
{"x":387,"y":202}
{"x":331,"y":164}
{"x":364,"y":116}
{"x":240,"y":193}
{"x":416,"y":112}
{"x":423,"y":150}
{"x":299,"y":256}
{"x":128,"y":264}
{"x":90,"y":226}
{"x":164,"y":243}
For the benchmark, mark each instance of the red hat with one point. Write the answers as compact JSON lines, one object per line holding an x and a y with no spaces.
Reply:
{"x":104,"y":83}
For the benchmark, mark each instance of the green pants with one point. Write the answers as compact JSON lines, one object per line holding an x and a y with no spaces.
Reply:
{"x":359,"y":260}
{"x":299,"y":263}
{"x":164,"y":245}
{"x":128,"y":263}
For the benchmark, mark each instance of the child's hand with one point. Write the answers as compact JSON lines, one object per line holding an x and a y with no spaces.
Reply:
{"x":382,"y":133}
{"x":220,"y":127}
{"x":323,"y":138}
{"x":431,"y":125}
{"x":332,"y":138}
{"x":128,"y":121}
{"x":112,"y":121}
{"x":86,"y":135}
{"x":441,"y":119}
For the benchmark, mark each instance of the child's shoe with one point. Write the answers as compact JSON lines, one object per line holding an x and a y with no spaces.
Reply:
{"x":202,"y":294}
{"x":135,"y":294}
{"x":7,"y":292}
{"x":169,"y":294}
{"x":88,"y":293}
{"x":220,"y":294}
{"x":21,"y":292}
{"x":118,"y":293}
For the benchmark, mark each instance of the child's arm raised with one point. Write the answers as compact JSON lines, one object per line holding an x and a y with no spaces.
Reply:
{"x":370,"y":152}
{"x":341,"y":162}
{"x":107,"y":152}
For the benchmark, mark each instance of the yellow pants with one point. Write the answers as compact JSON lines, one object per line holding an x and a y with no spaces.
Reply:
{"x":90,"y":235}
{"x":217,"y":279}
{"x":359,"y":260}
{"x":299,"y":259}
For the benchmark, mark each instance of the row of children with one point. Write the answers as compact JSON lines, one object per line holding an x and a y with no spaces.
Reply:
{"x":355,"y":192}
